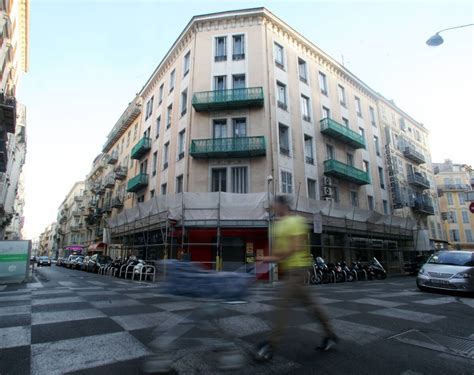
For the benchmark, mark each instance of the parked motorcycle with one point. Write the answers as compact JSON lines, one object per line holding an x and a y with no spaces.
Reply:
{"x":350,"y":275}
{"x":358,"y":269}
{"x":377,"y":270}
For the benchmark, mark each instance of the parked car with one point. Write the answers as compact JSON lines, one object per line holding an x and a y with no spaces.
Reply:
{"x":85,"y":262}
{"x":43,"y":261}
{"x":448,"y":270}
{"x":77,"y":262}
{"x":69,"y":260}
{"x":61,"y":261}
{"x":96,"y":260}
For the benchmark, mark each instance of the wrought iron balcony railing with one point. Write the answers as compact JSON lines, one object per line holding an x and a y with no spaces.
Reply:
{"x":411,"y":153}
{"x":418,"y":180}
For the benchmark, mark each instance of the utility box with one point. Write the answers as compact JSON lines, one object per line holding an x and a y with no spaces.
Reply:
{"x":14,"y":261}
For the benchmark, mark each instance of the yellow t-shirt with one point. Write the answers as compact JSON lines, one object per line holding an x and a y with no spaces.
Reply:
{"x":283,"y":232}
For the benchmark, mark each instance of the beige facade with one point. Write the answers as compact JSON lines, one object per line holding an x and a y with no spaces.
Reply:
{"x":453,"y":181}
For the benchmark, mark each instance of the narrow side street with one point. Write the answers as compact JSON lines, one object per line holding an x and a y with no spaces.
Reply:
{"x":73,"y":322}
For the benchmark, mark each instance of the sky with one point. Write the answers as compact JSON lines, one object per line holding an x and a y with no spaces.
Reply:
{"x":89,"y":58}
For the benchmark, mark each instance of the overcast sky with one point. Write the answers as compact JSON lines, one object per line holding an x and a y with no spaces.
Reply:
{"x":89,"y":58}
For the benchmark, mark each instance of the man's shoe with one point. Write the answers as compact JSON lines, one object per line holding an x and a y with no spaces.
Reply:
{"x":328,"y":343}
{"x":264,"y":352}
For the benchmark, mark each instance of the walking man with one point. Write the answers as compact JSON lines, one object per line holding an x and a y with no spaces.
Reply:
{"x":290,"y":250}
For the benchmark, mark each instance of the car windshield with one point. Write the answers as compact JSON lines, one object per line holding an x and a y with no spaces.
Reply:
{"x":44,"y":258}
{"x":453,"y":258}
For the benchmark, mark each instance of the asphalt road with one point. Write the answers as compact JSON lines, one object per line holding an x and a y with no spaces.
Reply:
{"x":69,"y":321}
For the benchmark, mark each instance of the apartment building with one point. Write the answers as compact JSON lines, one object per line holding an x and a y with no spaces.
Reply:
{"x":71,"y":226}
{"x":453,"y":181}
{"x":243,"y":107}
{"x":14,"y":42}
{"x":48,"y":241}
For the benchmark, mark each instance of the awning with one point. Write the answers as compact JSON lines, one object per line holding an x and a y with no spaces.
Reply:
{"x":99,"y":246}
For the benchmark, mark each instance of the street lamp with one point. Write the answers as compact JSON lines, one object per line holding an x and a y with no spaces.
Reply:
{"x":436,"y":39}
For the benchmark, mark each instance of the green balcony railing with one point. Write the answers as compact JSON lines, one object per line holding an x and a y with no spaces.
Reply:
{"x":228,"y":99}
{"x":238,"y":147}
{"x":338,"y":131}
{"x":346,"y":172}
{"x":137,"y":183}
{"x":141,"y":148}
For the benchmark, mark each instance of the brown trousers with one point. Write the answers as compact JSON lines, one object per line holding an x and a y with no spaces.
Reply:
{"x":292,"y":292}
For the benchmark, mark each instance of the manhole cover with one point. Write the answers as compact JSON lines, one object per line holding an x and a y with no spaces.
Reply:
{"x":459,"y":346}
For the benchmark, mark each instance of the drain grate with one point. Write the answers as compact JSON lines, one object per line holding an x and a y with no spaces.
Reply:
{"x":459,"y":346}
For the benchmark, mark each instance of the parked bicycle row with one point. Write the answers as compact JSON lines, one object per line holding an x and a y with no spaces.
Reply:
{"x":322,"y":273}
{"x":129,"y":268}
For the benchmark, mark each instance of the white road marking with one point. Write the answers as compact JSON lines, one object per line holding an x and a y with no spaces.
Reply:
{"x":141,"y":295}
{"x":467,"y":301}
{"x":67,"y":283}
{"x":240,"y":326}
{"x":140,"y":321}
{"x":48,"y":292}
{"x":436,"y":301}
{"x":64,"y":316}
{"x":97,"y":283}
{"x":22,"y":297}
{"x":378,"y":302}
{"x":115,"y":303}
{"x":413,"y":316}
{"x":3,"y":287}
{"x":15,"y":310}
{"x":11,"y":337}
{"x":35,"y":285}
{"x":55,"y":301}
{"x":97,"y":293}
{"x":84,"y":352}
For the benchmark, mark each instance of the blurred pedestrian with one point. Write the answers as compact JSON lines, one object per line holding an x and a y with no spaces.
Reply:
{"x":290,"y":250}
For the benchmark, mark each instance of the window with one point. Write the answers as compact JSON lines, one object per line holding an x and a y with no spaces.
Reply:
{"x":279,"y":56}
{"x":166,"y":151}
{"x":460,"y":196}
{"x":465,"y":217}
{"x":147,"y":133}
{"x":219,"y":128}
{"x":366,"y":166}
{"x":453,"y":217}
{"x":152,"y":193}
{"x":220,"y":83}
{"x":281,"y":91}
{"x":238,"y":81}
{"x":308,"y":149}
{"x":381,"y":178}
{"x":345,"y":122}
{"x":350,"y":159}
{"x":184,"y":102}
{"x":454,"y":235}
{"x":305,"y":108}
{"x":128,"y":139}
{"x":149,"y":108}
{"x":158,"y":125}
{"x":372,"y":116}
{"x":370,"y":202}
{"x":342,"y":95}
{"x":284,"y":136}
{"x":286,"y":182}
{"x":163,"y":188}
{"x":335,"y":194}
{"x":358,"y":107}
{"x":135,"y":131}
{"x":162,"y":87}
{"x":449,"y":197}
{"x":186,"y":63}
{"x":385,"y":207}
{"x":302,"y":70}
{"x":221,"y":49}
{"x":326,"y":112}
{"x":172,"y":79}
{"x":239,"y":127}
{"x":219,"y":179}
{"x":468,"y":233}
{"x":155,"y":160}
{"x":377,"y":145}
{"x":239,"y":180}
{"x":238,"y":47}
{"x":311,"y":188}
{"x":181,"y":142}
{"x":179,"y":184}
{"x":169,"y":114}
{"x":144,"y":166}
{"x":401,"y":124}
{"x":354,"y":199}
{"x":323,"y":83}
{"x":329,"y":152}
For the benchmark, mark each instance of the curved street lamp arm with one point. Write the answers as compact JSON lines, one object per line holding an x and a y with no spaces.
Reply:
{"x":456,"y":27}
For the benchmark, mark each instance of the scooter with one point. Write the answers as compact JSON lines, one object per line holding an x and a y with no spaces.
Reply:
{"x":351,"y":275}
{"x":378,"y":272}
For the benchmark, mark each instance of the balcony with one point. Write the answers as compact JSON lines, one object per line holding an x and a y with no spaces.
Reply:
{"x":228,"y":99}
{"x":109,"y":182}
{"x":117,"y":202}
{"x":346,"y":172}
{"x":414,"y":155}
{"x":75,"y":227}
{"x":78,"y":198}
{"x":76,"y":213}
{"x":8,"y":112}
{"x":120,"y":173}
{"x":101,"y":190}
{"x":340,"y":132}
{"x":113,"y":158}
{"x":137,"y":183}
{"x":141,"y":148}
{"x":418,"y":180}
{"x":3,"y":156}
{"x":241,"y":147}
{"x":423,"y":206}
{"x":454,"y":187}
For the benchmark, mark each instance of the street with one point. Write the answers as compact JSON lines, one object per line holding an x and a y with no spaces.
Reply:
{"x":69,"y":321}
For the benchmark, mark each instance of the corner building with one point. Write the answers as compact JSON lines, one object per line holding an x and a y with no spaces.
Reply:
{"x":243,"y":104}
